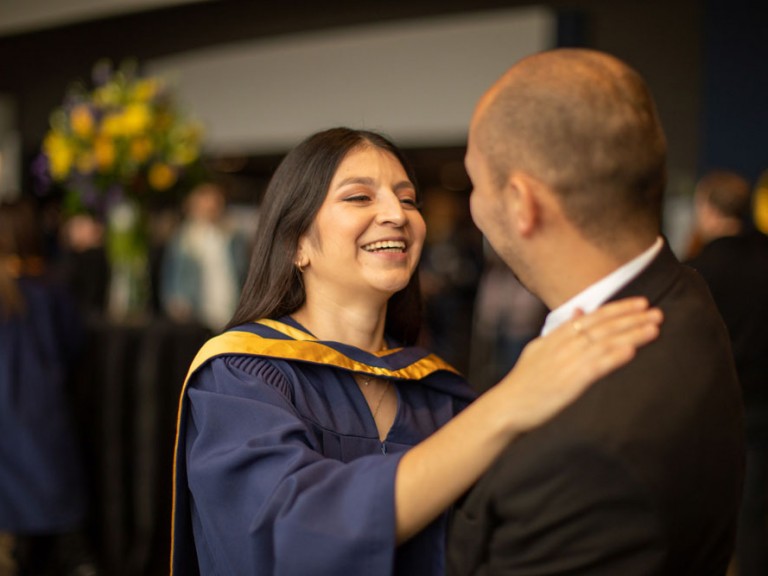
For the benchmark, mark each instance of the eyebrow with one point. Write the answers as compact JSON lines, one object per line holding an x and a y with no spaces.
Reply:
{"x":404,"y":184}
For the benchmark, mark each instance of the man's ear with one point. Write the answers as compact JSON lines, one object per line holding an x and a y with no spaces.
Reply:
{"x":525,"y":203}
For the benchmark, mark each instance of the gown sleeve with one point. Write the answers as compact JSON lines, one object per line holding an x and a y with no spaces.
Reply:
{"x":264,"y":500}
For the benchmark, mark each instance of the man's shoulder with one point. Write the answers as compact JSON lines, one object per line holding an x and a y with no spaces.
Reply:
{"x":679,"y":384}
{"x":732,"y":250}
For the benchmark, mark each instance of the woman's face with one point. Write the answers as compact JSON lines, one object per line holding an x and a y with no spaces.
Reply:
{"x":368,"y":234}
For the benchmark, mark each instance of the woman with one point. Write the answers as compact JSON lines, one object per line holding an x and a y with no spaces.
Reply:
{"x":317,"y":440}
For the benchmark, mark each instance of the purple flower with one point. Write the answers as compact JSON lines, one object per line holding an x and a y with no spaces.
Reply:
{"x":41,"y":175}
{"x":102,"y":72}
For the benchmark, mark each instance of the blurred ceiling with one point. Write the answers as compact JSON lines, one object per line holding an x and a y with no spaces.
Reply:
{"x":19,"y":16}
{"x":44,"y":44}
{"x":47,"y":40}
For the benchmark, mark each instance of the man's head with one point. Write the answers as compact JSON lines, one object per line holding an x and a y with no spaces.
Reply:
{"x":206,"y":202}
{"x":581,"y":126}
{"x":723,"y":204}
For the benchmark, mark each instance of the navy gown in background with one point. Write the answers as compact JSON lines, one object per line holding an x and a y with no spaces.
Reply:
{"x":41,"y":484}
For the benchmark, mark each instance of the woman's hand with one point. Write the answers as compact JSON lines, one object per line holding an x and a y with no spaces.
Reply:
{"x":555,"y":369}
{"x":552,"y":372}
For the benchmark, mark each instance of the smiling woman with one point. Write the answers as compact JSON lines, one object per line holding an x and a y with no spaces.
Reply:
{"x":363,"y":246}
{"x":314,"y":436}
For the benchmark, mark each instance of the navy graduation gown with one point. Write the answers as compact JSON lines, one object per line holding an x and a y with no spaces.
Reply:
{"x":279,"y":468}
{"x":41,"y":480}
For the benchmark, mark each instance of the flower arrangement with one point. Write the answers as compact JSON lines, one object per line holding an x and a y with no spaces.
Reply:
{"x":123,"y":139}
{"x":117,"y":149}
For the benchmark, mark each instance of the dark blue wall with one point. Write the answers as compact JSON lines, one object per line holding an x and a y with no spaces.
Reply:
{"x":734,"y":129}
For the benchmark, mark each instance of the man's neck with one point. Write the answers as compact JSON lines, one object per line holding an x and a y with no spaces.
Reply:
{"x":570,"y":264}
{"x":601,"y":289}
{"x":724,"y":227}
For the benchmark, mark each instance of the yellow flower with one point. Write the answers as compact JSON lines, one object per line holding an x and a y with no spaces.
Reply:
{"x":145,"y":90}
{"x":85,"y":162}
{"x":104,"y":152}
{"x":135,"y":119}
{"x":112,"y":125}
{"x":184,"y":145}
{"x":107,"y":95}
{"x":183,"y":154}
{"x":81,"y":121}
{"x":161,"y":176}
{"x":60,"y":154}
{"x":140,"y":149}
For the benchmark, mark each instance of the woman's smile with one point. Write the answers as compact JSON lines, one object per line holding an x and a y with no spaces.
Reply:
{"x":390,"y":246}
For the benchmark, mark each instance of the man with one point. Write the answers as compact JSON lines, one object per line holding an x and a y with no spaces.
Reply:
{"x":734,"y":262}
{"x":205,"y":262}
{"x":642,"y":474}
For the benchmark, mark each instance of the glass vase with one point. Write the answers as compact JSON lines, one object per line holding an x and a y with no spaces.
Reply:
{"x":128,"y":254}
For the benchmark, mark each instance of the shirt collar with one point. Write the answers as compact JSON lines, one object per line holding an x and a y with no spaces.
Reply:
{"x":591,"y":298}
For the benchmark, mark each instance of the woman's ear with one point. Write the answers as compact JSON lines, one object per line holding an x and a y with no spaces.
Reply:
{"x":301,"y":258}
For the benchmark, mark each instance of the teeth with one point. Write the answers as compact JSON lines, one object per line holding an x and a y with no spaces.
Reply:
{"x":393,"y":245}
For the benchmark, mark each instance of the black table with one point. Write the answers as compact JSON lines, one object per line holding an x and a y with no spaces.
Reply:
{"x":126,"y":394}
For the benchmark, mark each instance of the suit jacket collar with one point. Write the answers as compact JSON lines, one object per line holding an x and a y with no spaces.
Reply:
{"x":657,"y":278}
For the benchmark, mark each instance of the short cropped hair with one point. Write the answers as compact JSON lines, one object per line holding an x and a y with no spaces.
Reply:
{"x":585,"y":124}
{"x":727,"y":192}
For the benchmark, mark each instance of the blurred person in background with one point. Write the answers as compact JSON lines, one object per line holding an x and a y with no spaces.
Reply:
{"x":205,"y":261}
{"x":42,"y":495}
{"x":733,"y":259}
{"x":81,"y":262}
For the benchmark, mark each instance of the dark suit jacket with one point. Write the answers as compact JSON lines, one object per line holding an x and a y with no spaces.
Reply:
{"x":736,"y":271}
{"x":640,"y":476}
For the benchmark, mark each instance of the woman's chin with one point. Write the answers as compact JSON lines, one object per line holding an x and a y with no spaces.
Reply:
{"x":390,"y":286}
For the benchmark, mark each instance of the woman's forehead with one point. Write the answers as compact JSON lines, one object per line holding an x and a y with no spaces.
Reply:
{"x":368,"y":162}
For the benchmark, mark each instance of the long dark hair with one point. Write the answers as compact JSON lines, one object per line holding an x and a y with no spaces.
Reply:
{"x":21,"y":251}
{"x":273,"y":287}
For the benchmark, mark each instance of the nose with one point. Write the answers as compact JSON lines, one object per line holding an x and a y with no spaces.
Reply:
{"x":390,"y":210}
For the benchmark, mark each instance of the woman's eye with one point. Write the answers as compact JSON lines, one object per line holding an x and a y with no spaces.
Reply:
{"x":357,"y":198}
{"x":410,"y":202}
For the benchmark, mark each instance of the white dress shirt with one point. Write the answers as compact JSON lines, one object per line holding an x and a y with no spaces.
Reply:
{"x":591,"y":298}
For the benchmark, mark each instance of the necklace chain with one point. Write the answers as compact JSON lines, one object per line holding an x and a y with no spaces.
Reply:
{"x":381,"y":399}
{"x":366,"y":382}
